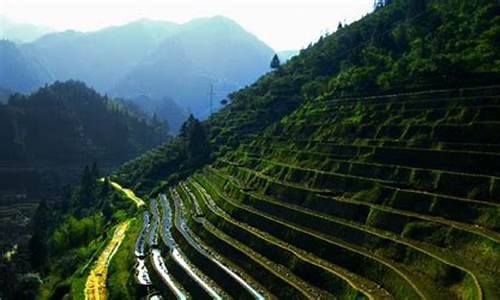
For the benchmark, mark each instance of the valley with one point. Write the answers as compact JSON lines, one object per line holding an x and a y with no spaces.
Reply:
{"x":195,"y":162}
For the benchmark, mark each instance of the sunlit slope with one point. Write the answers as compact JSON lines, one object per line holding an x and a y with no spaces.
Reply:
{"x":377,"y":197}
{"x":129,"y":193}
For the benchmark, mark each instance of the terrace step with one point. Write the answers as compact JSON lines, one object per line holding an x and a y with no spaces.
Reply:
{"x":477,"y":212}
{"x":278,"y":279}
{"x":200,"y":257}
{"x":196,"y":218}
{"x":477,"y":132}
{"x":455,"y":110}
{"x":442,"y":95}
{"x":446,"y":160}
{"x":315,"y":269}
{"x":291,"y":193}
{"x":424,"y":254}
{"x":423,"y":143}
{"x":325,"y":246}
{"x":461,"y":185}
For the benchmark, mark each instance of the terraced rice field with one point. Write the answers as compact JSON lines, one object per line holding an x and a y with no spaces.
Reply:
{"x":387,"y":197}
{"x":95,"y":286}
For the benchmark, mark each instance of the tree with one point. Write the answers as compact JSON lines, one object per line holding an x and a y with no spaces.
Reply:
{"x":275,"y":62}
{"x":223,"y":102}
{"x":340,"y":26}
{"x":195,"y":140}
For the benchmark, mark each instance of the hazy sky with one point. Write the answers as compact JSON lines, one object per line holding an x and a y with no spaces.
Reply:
{"x":282,"y":24}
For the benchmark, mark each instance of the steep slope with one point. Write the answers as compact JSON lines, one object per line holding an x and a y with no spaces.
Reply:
{"x":397,"y":191}
{"x":382,"y":53}
{"x":203,"y":52}
{"x":313,"y":194}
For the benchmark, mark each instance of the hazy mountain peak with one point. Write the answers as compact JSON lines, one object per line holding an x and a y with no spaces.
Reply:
{"x":21,"y":32}
{"x":215,"y":22}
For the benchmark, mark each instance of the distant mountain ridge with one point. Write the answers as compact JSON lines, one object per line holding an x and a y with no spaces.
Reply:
{"x":18,"y":71}
{"x":145,"y":57}
{"x":207,"y":51}
{"x":21,"y":32}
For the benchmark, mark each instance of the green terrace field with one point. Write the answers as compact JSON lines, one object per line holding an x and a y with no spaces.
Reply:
{"x":386,"y":197}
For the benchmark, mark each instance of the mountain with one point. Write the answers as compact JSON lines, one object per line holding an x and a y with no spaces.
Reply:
{"x":21,"y":32}
{"x":18,"y":71}
{"x":209,"y":51}
{"x":163,"y":109}
{"x":153,"y":58}
{"x":102,"y":57}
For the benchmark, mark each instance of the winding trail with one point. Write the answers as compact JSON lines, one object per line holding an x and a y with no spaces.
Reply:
{"x":95,"y":287}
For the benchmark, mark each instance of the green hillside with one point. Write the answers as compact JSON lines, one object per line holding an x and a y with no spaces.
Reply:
{"x":367,"y":167}
{"x":405,"y":45}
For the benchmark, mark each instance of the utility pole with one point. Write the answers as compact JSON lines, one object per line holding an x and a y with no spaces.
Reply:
{"x":211,"y":97}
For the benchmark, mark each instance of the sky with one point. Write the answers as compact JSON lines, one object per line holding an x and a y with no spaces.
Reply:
{"x":282,"y":24}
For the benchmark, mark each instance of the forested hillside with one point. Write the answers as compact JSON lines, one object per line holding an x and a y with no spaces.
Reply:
{"x":403,"y":45}
{"x":48,"y":137}
{"x":69,"y":124}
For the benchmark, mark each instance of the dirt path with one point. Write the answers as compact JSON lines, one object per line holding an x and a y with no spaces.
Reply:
{"x":95,"y":287}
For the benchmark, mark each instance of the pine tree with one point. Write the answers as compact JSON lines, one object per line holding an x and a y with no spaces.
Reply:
{"x":195,"y":140}
{"x":275,"y":62}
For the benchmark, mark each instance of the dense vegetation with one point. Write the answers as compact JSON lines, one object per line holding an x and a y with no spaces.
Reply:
{"x":365,"y":167}
{"x":403,"y":45}
{"x":47,"y":137}
{"x":66,"y":237}
{"x":65,"y":120}
{"x":67,"y":125}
